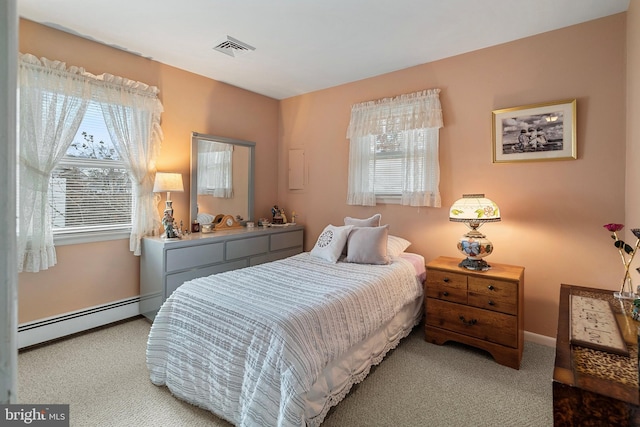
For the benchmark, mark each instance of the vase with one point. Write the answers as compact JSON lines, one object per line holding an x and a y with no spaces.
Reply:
{"x":626,"y":290}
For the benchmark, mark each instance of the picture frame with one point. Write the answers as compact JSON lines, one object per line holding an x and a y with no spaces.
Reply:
{"x":537,"y":132}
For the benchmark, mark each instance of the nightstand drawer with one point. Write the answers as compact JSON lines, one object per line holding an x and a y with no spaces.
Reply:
{"x":482,"y":324}
{"x":493,"y":294}
{"x":446,"y":286}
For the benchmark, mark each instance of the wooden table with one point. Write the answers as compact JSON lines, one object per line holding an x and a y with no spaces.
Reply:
{"x":592,"y":387}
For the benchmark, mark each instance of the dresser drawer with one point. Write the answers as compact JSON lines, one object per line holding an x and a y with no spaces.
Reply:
{"x":446,"y":286}
{"x":497,"y":295}
{"x":177,"y":279}
{"x":273,"y":256}
{"x":194,"y":256}
{"x":246,"y":247}
{"x":285,"y":240}
{"x":486,"y":325}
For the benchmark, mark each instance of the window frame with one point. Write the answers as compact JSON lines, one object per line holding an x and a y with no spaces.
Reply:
{"x":370,"y":125}
{"x":81,"y":235}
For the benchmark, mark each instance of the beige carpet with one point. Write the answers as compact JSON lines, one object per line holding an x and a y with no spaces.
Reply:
{"x":103,"y":376}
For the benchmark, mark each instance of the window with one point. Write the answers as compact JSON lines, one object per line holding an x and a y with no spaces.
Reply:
{"x":90,"y":189}
{"x":391,"y":161}
{"x":87,"y":181}
{"x":393,"y":155}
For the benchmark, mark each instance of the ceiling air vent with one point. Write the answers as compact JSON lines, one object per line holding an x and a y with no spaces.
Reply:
{"x":233,"y":47}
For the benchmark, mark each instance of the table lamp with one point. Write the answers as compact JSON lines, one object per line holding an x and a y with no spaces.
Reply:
{"x":166,"y":181}
{"x":474,"y":210}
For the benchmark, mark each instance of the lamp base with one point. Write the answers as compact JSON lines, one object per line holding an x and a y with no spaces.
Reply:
{"x":474,"y":264}
{"x":168,"y":224}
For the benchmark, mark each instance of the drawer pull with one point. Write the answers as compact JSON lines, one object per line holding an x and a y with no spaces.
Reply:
{"x":445,"y":294}
{"x":446,"y":280}
{"x":490,"y":287}
{"x":491,"y":302}
{"x":468,"y":322}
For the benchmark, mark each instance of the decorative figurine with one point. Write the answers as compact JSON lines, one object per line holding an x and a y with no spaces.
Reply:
{"x":277,"y":216}
{"x":169,"y":230}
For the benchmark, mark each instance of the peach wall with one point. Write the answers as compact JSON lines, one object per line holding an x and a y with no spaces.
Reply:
{"x":91,"y":274}
{"x":632,"y":196}
{"x":553,"y":212}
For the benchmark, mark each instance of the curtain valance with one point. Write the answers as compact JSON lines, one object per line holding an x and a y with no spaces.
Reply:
{"x":51,"y":67}
{"x":419,"y":110}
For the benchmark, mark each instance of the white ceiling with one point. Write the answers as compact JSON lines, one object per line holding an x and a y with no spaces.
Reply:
{"x":305,"y":45}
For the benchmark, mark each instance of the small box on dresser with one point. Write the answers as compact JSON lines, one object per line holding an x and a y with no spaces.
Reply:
{"x":484,"y":309}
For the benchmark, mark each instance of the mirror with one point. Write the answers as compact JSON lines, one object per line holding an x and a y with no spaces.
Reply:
{"x":222,"y":171}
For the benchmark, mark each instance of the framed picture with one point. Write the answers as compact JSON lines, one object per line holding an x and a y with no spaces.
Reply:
{"x":536,"y":132}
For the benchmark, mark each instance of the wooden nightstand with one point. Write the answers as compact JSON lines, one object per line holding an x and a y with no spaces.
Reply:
{"x":484,"y":309}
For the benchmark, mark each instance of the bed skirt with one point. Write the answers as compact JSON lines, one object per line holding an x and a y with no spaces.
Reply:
{"x":338,"y":377}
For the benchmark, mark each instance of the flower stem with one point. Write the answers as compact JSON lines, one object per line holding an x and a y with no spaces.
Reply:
{"x":627,"y":263}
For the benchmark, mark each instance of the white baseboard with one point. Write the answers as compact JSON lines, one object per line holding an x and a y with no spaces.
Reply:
{"x":540,"y":339}
{"x":48,"y":329}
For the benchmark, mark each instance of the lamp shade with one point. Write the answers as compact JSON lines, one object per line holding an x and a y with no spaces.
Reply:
{"x":166,"y":181}
{"x":474,"y":208}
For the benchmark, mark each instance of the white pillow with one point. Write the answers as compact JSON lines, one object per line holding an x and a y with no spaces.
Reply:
{"x":368,"y":245}
{"x":374,"y":221}
{"x":396,"y":246}
{"x":331,"y":242}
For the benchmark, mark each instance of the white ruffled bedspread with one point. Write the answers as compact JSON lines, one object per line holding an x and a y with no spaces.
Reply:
{"x":248,"y":344}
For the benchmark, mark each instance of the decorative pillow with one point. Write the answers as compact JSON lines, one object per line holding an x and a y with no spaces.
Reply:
{"x":368,"y":245}
{"x":374,"y":221}
{"x":331,"y":242}
{"x":396,"y":245}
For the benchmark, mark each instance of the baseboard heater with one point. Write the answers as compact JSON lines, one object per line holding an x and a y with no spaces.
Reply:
{"x":54,"y":327}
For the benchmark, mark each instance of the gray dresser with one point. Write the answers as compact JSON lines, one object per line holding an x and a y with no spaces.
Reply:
{"x":166,"y":264}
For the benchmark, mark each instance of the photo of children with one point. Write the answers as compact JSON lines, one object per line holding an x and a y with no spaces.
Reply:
{"x":536,"y":132}
{"x":532,"y":133}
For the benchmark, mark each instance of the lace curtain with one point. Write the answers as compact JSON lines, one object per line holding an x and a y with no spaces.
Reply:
{"x":215,"y":169}
{"x":53,"y":100}
{"x":407,"y":124}
{"x":132,"y":113}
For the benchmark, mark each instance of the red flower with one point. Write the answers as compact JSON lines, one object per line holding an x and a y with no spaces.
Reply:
{"x":614,"y":227}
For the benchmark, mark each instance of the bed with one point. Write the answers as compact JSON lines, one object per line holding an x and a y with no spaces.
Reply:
{"x":279,"y":344}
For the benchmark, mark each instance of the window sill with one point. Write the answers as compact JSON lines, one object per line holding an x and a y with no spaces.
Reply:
{"x":389,"y":200}
{"x":89,"y":237}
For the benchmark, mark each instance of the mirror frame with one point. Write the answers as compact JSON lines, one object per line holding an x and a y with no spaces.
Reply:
{"x":193,"y":181}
